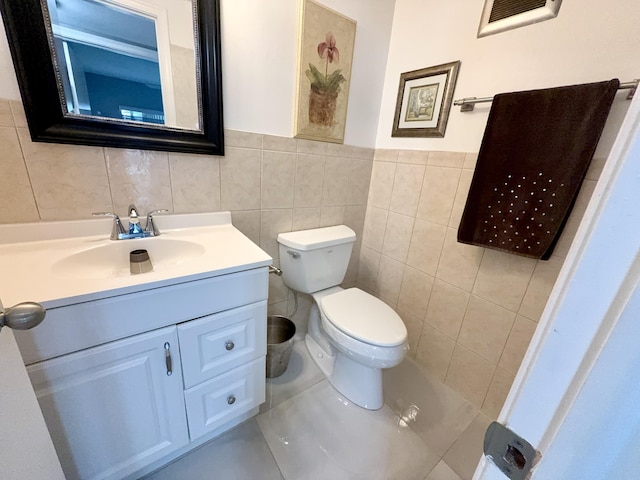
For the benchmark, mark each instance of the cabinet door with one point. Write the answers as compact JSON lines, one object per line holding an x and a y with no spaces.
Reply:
{"x":114,"y":408}
{"x":217,"y":343}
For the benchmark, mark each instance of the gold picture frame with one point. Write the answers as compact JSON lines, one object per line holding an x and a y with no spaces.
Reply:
{"x":424,"y":101}
{"x":325,"y":56}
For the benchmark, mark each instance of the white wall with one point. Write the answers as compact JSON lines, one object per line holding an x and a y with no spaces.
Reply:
{"x":589,"y":41}
{"x":259,"y":52}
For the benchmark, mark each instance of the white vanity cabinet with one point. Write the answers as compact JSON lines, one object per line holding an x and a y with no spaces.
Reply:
{"x":116,"y":405}
{"x":114,"y":408}
{"x":132,"y":371}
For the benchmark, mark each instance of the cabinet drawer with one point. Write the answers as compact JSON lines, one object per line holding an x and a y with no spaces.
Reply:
{"x":216,"y":402}
{"x":214,"y":344}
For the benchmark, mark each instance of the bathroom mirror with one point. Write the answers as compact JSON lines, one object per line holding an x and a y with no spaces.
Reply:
{"x":141,"y":74}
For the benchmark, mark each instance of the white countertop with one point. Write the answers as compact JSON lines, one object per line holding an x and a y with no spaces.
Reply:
{"x":30,"y":256}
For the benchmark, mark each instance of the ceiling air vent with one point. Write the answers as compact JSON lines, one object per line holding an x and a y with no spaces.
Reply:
{"x":501,"y":15}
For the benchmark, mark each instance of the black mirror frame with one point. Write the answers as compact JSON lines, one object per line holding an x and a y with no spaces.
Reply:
{"x":29,"y":45}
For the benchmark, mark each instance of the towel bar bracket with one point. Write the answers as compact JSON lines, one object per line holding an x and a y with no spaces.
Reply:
{"x":633,"y":88}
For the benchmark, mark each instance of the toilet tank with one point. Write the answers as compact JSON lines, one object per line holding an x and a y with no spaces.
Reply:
{"x":313,"y":260}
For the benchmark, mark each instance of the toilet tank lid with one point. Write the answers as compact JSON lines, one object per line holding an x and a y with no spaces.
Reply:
{"x":317,"y":237}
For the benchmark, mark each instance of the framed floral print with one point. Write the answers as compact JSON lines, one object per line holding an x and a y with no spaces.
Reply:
{"x":324,"y":73}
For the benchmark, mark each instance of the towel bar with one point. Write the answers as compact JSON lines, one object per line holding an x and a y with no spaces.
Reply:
{"x":468,"y":104}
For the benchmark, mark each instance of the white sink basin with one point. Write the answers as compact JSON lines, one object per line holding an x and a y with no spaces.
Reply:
{"x":64,"y":263}
{"x":112,"y":259}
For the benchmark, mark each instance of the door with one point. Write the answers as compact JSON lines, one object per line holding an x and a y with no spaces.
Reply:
{"x":115,"y":408}
{"x":26,"y":450}
{"x":577,"y":393}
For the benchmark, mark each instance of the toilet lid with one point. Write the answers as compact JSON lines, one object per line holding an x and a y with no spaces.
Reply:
{"x":364,"y":317}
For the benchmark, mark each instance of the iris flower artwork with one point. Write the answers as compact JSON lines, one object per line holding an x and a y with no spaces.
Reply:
{"x":326,"y":52}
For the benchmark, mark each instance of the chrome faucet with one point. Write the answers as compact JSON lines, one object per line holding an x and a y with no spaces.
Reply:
{"x":150,"y":226}
{"x":119,"y":232}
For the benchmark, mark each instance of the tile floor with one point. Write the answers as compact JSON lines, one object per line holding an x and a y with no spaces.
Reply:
{"x":307,"y":430}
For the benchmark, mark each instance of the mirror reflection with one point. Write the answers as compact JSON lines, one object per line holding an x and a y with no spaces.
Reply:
{"x":129,"y":60}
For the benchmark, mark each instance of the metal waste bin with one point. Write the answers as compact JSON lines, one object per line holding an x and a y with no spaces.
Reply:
{"x":280,"y":332}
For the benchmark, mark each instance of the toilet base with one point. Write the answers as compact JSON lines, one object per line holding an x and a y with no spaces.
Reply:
{"x":360,"y":384}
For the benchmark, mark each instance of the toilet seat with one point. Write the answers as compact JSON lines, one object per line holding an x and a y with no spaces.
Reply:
{"x":364,"y":317}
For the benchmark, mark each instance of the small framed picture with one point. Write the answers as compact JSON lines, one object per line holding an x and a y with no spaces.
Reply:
{"x":424,"y":101}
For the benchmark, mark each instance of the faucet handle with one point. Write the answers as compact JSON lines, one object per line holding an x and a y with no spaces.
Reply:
{"x":118,"y":228}
{"x":151,"y":226}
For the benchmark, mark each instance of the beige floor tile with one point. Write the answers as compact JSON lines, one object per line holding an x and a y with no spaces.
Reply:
{"x":442,"y":471}
{"x":327,"y":437}
{"x":241,"y":453}
{"x":465,"y":453}
{"x":301,"y":373}
{"x":434,"y":411}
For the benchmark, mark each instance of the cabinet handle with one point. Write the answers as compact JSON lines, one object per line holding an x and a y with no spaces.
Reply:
{"x":231,"y":399}
{"x":229,"y":345}
{"x":167,"y":358}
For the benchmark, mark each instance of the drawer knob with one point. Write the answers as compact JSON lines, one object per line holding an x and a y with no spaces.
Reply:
{"x":229,"y":345}
{"x":231,"y":399}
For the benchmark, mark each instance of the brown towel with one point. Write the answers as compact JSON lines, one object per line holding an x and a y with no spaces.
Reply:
{"x":534,"y":155}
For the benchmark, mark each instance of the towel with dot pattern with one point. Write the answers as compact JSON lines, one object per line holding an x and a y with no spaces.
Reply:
{"x":535,"y":152}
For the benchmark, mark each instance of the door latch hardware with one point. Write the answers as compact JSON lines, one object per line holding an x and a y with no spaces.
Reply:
{"x":512,"y":454}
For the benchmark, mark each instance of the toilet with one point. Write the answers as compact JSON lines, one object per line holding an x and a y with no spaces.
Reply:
{"x":352,"y":335}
